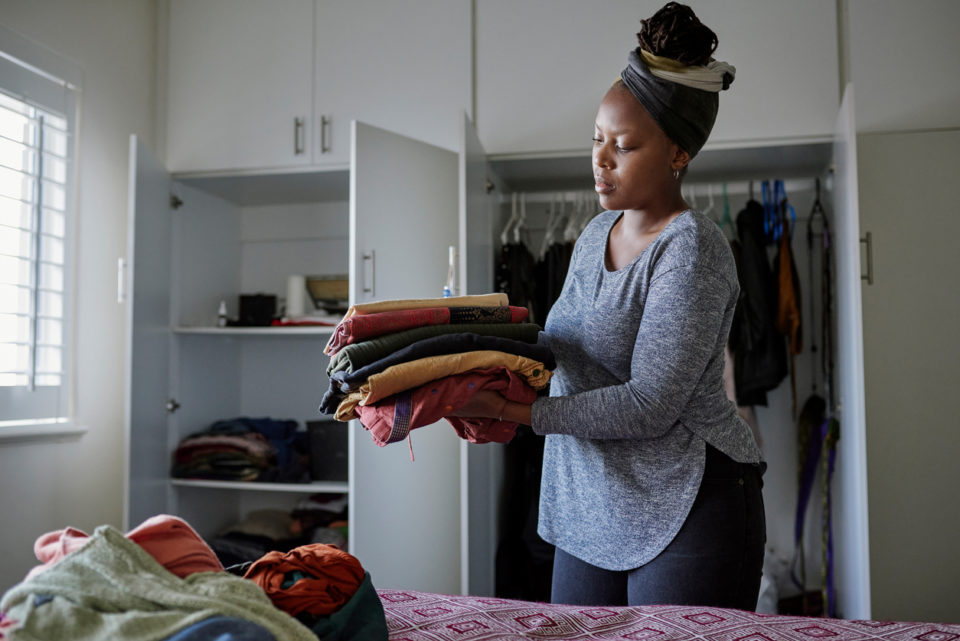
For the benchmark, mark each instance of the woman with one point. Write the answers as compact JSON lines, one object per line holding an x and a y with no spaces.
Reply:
{"x":651,"y":482}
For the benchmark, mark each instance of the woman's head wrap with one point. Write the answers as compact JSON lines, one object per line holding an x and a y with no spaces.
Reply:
{"x":682,"y":99}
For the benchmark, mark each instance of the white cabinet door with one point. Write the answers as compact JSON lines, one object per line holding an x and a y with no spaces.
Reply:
{"x":850,"y":481}
{"x":544,"y":65}
{"x":239,"y":92}
{"x":893,"y":94}
{"x":149,"y":251}
{"x":912,"y":361}
{"x":482,"y":464}
{"x":402,"y":65}
{"x":404,"y":515}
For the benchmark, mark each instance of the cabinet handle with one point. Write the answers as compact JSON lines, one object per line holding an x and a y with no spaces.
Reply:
{"x":372,"y":259}
{"x":297,"y":136}
{"x":324,"y":125}
{"x":121,"y":280}
{"x":868,"y":241}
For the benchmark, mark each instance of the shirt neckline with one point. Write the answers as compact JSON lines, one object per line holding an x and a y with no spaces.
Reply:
{"x":606,"y":243}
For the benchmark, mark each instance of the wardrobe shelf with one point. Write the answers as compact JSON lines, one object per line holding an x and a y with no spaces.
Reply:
{"x":257,"y":331}
{"x":339,"y":487}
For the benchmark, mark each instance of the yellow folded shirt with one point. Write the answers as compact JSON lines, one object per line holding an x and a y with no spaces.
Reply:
{"x":474,"y":300}
{"x":415,"y":373}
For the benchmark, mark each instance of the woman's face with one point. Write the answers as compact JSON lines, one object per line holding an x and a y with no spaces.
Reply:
{"x":633,"y":160}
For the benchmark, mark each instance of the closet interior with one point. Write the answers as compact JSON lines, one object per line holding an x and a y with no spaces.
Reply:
{"x":541,"y":206}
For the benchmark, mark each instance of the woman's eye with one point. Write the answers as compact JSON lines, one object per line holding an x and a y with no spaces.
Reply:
{"x":596,"y":139}
{"x":623,"y":149}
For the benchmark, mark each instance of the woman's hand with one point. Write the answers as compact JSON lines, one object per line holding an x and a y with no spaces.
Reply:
{"x":484,"y":404}
{"x":488,"y":404}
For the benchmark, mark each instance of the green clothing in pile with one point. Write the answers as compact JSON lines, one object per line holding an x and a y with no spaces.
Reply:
{"x":111,"y":588}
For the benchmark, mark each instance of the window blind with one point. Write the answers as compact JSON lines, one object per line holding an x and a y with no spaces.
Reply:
{"x":36,"y":142}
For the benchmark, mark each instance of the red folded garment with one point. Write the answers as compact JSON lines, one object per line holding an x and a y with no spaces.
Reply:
{"x":391,"y":419}
{"x":363,"y":326}
{"x":168,"y":539}
{"x":333,"y":576}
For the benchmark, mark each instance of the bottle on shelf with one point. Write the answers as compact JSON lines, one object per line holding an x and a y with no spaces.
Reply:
{"x":450,"y":286}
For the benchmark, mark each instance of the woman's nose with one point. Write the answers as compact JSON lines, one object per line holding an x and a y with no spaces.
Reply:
{"x":601,"y":157}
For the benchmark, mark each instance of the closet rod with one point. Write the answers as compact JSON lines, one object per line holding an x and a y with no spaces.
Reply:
{"x":736,"y":187}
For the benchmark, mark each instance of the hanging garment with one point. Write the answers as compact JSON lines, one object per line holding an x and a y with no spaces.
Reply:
{"x":353,"y":357}
{"x":760,"y":360}
{"x":788,"y":300}
{"x":363,"y":326}
{"x":514,"y":276}
{"x":391,"y":419}
{"x":551,"y":271}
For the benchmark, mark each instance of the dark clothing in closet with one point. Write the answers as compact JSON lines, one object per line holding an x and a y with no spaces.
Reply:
{"x":760,"y":358}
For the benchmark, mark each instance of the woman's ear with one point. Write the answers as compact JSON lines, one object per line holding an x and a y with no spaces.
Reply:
{"x":680,"y":158}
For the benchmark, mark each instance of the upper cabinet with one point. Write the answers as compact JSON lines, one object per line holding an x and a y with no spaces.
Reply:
{"x":266,"y":85}
{"x":899,"y":91}
{"x":400,"y":65}
{"x":543,"y":66}
{"x":239,"y":91}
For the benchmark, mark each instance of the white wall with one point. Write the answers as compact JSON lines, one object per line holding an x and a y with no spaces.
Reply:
{"x":48,"y":485}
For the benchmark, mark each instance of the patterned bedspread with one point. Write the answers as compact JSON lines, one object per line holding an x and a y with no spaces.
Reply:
{"x":420,"y":616}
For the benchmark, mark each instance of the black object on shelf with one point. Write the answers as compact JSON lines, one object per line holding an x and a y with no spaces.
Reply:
{"x":257,"y":310}
{"x":328,"y":450}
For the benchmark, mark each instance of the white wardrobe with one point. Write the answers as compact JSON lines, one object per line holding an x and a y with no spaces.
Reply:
{"x":387,"y":220}
{"x":259,"y":138}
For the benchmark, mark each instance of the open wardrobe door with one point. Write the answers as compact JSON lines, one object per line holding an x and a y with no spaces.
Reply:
{"x":482,"y":467}
{"x":147,"y":293}
{"x":852,"y":546}
{"x":404,"y":196}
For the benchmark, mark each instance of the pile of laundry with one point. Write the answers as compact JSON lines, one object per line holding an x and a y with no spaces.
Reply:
{"x":397,"y":365}
{"x":245,"y":449}
{"x":162,"y":581}
{"x":319,"y":518}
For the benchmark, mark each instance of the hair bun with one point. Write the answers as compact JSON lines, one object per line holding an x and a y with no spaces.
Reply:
{"x":675,"y":32}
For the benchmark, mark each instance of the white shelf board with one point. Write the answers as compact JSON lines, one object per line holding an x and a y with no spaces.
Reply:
{"x":257,"y":331}
{"x":252,"y":486}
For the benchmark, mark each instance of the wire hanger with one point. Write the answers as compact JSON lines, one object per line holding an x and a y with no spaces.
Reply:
{"x":768,"y":214}
{"x":726,"y":222}
{"x":504,"y":234}
{"x":521,"y":221}
{"x":571,"y":231}
{"x":782,"y":206}
{"x":708,"y":210}
{"x":816,"y":211}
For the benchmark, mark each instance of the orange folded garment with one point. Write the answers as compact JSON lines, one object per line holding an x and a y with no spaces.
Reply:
{"x":168,"y":539}
{"x":332,"y":577}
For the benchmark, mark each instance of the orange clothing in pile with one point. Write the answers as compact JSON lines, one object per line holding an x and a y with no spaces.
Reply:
{"x":332,"y":576}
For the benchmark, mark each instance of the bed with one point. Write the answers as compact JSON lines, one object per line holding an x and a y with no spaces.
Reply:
{"x":421,"y":616}
{"x":162,"y":582}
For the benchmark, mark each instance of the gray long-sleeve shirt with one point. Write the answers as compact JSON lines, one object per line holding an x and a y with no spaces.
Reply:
{"x":637,"y":391}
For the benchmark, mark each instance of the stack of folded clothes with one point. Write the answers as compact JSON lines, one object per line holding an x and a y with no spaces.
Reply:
{"x":398,"y":365}
{"x":244,"y":449}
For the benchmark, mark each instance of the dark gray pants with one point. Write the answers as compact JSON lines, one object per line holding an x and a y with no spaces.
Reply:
{"x":716,"y":559}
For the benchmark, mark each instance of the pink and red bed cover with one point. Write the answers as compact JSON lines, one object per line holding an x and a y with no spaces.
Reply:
{"x":420,"y":616}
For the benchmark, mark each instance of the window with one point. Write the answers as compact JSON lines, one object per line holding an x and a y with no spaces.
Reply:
{"x":36,"y":224}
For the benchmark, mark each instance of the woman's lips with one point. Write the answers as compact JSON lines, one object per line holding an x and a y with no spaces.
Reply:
{"x":602,"y":187}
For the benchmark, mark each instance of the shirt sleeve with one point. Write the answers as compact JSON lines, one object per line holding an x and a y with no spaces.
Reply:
{"x":677,"y":337}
